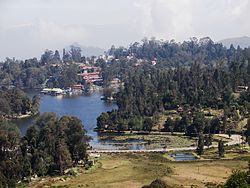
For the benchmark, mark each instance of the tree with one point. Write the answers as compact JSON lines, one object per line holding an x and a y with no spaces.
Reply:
{"x":184,"y":123}
{"x":47,"y":57}
{"x":148,"y":124}
{"x":35,"y":104}
{"x":200,"y":147}
{"x":208,"y":140}
{"x":221,"y":149}
{"x":135,"y":123}
{"x":69,"y":76}
{"x":239,"y":179}
{"x":248,"y":131}
{"x":102,"y":121}
{"x":75,"y":53}
{"x":62,"y":157}
{"x":4,"y":107}
{"x":10,"y":159}
{"x":56,"y":57}
{"x":215,"y":126}
{"x":199,"y":122}
{"x":169,"y":125}
{"x":158,"y":183}
{"x":77,"y":140}
{"x":47,"y":118}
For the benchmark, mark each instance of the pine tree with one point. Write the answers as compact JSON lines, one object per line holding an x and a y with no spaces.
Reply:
{"x":248,"y":132}
{"x":221,"y":149}
{"x":200,"y":147}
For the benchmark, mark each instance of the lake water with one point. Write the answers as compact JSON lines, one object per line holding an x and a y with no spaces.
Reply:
{"x":85,"y":107}
{"x":183,"y":157}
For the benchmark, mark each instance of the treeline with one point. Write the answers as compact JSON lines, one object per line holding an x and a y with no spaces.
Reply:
{"x":198,"y":74}
{"x":149,"y":91}
{"x":170,"y":53}
{"x":34,"y":73}
{"x":15,"y":102}
{"x":49,"y":147}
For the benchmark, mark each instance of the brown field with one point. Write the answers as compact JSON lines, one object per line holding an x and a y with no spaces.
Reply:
{"x":136,"y":170}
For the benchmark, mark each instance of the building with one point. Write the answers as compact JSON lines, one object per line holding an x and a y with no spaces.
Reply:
{"x":91,"y":74}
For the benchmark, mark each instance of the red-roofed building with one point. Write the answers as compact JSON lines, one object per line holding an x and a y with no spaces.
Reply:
{"x":90,"y":74}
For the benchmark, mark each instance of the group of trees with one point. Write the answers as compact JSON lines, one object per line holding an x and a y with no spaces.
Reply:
{"x":49,"y":147}
{"x":170,"y":53}
{"x":73,"y":54}
{"x":149,"y":91}
{"x":14,"y":102}
{"x":189,"y":76}
{"x":33,"y":73}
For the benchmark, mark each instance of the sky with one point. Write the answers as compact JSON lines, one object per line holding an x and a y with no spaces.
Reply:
{"x":28,"y":27}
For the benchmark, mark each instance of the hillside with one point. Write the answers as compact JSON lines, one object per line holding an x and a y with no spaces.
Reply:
{"x":88,"y":51}
{"x":243,"y":42}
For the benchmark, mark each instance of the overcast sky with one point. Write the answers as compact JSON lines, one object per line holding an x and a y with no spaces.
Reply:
{"x":28,"y":27}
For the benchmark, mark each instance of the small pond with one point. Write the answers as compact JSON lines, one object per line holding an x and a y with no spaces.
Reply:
{"x":183,"y":157}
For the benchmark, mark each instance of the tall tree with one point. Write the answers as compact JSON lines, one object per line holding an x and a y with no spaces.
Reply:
{"x":221,"y":149}
{"x":75,"y":53}
{"x":248,"y":131}
{"x":200,"y":147}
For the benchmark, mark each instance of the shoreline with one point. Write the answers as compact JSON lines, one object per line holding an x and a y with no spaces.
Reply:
{"x":23,"y":116}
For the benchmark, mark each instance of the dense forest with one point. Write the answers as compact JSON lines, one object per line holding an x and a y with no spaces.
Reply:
{"x":187,"y":78}
{"x":49,"y":147}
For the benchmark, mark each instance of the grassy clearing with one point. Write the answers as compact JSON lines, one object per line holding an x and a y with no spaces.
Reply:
{"x":122,"y":170}
{"x":136,"y":170}
{"x":231,"y":152}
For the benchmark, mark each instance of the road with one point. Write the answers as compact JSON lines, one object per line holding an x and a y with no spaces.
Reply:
{"x":235,"y":139}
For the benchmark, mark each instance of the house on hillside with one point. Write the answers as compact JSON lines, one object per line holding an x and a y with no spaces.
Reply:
{"x":91,"y":75}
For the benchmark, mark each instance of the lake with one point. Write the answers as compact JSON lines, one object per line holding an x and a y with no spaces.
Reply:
{"x":85,"y":107}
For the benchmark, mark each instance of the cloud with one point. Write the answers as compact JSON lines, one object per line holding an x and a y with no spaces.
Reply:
{"x":27,"y":27}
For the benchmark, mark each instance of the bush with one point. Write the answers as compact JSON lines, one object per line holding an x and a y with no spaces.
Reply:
{"x":157,"y":184}
{"x":238,"y":179}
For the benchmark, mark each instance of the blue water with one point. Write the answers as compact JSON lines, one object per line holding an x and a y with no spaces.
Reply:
{"x":85,"y":107}
{"x":183,"y":157}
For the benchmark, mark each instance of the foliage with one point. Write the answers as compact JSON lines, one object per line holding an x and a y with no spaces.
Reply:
{"x":248,"y":132}
{"x":221,"y":149}
{"x":239,"y":179}
{"x":196,"y":74}
{"x":48,"y":148}
{"x":200,"y":147}
{"x":157,"y":184}
{"x":10,"y":156}
{"x":14,"y":102}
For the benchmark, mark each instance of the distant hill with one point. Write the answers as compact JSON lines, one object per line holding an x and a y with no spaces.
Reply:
{"x":88,"y":50}
{"x":243,"y":42}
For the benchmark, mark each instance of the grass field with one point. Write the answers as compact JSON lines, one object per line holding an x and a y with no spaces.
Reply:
{"x":136,"y":170}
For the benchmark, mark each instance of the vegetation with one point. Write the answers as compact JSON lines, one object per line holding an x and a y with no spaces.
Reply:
{"x":14,"y":102}
{"x":186,"y":78}
{"x":156,"y":184}
{"x":49,"y":147}
{"x":137,"y":170}
{"x":239,"y":179}
{"x":51,"y":69}
{"x":221,"y":149}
